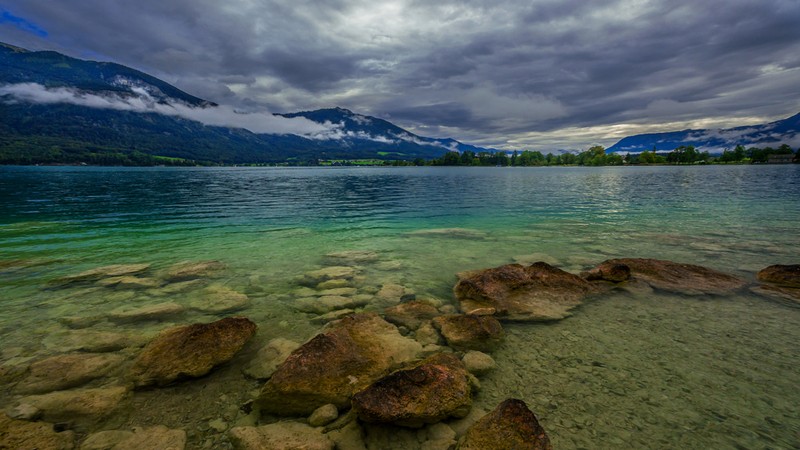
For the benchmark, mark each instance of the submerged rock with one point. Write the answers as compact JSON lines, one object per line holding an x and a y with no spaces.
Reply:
{"x":679,"y":278}
{"x":93,"y":404}
{"x":115,"y":270}
{"x":315,"y":277}
{"x":219,"y":299}
{"x":352,"y":257}
{"x":155,"y":437}
{"x":332,"y":366}
{"x":189,"y":270}
{"x":510,"y":425}
{"x":158,"y":311}
{"x":538,"y":292}
{"x":783,"y":275}
{"x":454,"y":233}
{"x":93,"y":341}
{"x":67,"y":371}
{"x":410,"y":314}
{"x":281,"y":435}
{"x":130,"y":282}
{"x":328,"y":303}
{"x":323,"y":415}
{"x":470,"y":332}
{"x":429,"y":392}
{"x":21,"y":434}
{"x":269,"y":357}
{"x":190,"y":351}
{"x":478,"y":363}
{"x":609,"y":271}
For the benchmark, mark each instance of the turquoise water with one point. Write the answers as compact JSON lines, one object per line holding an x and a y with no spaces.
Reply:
{"x":271,"y":225}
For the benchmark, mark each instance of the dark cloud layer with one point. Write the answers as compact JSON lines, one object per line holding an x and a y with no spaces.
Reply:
{"x":544,"y":74}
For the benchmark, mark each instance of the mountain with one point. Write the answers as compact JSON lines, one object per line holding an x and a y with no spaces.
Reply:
{"x":786,"y":131}
{"x":58,"y":109}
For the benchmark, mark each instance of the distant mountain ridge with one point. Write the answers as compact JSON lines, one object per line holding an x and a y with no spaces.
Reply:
{"x":33,"y":130}
{"x":786,"y":131}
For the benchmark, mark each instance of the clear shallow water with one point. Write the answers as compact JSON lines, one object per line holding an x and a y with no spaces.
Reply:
{"x":676,"y":372}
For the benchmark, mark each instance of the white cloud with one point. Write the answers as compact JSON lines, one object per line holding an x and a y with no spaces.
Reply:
{"x":143,"y":102}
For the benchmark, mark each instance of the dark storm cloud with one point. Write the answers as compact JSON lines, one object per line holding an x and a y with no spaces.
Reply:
{"x":540,"y":74}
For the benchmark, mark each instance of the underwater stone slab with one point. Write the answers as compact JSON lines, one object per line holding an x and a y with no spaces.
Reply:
{"x":105,"y":440}
{"x":67,"y":371}
{"x":130,"y":282}
{"x":510,"y":425}
{"x":429,"y":392}
{"x":786,"y":295}
{"x":91,"y":341}
{"x":281,"y":435}
{"x":539,"y":292}
{"x":21,"y":434}
{"x":158,"y":311}
{"x":478,"y":363}
{"x":269,"y":357}
{"x":453,"y":233}
{"x":410,"y":314}
{"x":155,"y":437}
{"x":190,"y":351}
{"x":351,"y":257}
{"x":323,"y":415}
{"x":394,"y":293}
{"x":470,"y":332}
{"x":189,"y":270}
{"x":74,"y":404}
{"x":334,"y":284}
{"x":115,"y":270}
{"x":680,"y":278}
{"x":315,"y":277}
{"x":343,"y":359}
{"x":220,"y":299}
{"x":328,"y":303}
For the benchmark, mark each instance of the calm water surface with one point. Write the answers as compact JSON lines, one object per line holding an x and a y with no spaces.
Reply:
{"x":632,"y":370}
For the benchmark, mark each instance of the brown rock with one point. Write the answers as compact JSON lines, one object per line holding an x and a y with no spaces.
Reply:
{"x":680,"y":278}
{"x":510,"y":425}
{"x":21,"y":434}
{"x":784,"y":275}
{"x":538,"y":292}
{"x":342,"y":360}
{"x":410,"y":314}
{"x":67,"y":371}
{"x":435,"y":389}
{"x":190,"y":351}
{"x":607,"y":271}
{"x":789,"y":296}
{"x":469,"y":332}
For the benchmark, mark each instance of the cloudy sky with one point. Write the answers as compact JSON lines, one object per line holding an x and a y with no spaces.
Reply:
{"x":538,"y":74}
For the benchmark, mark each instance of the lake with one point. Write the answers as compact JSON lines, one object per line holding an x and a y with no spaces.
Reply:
{"x":633,"y":369}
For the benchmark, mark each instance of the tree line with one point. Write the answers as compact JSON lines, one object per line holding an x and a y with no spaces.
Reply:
{"x":597,"y":156}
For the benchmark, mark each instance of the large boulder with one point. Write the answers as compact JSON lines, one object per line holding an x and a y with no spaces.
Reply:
{"x":680,"y":278}
{"x":429,"y":392}
{"x":470,"y":332}
{"x":281,"y":435}
{"x":539,"y":292}
{"x":335,"y":364}
{"x":67,"y":371}
{"x":783,"y":275}
{"x":21,"y":434}
{"x":510,"y":425}
{"x":190,"y":351}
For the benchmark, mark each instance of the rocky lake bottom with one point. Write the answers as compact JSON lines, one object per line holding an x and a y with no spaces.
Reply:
{"x":632,"y":364}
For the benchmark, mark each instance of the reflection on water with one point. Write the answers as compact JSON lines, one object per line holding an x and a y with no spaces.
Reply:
{"x":642,"y":371}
